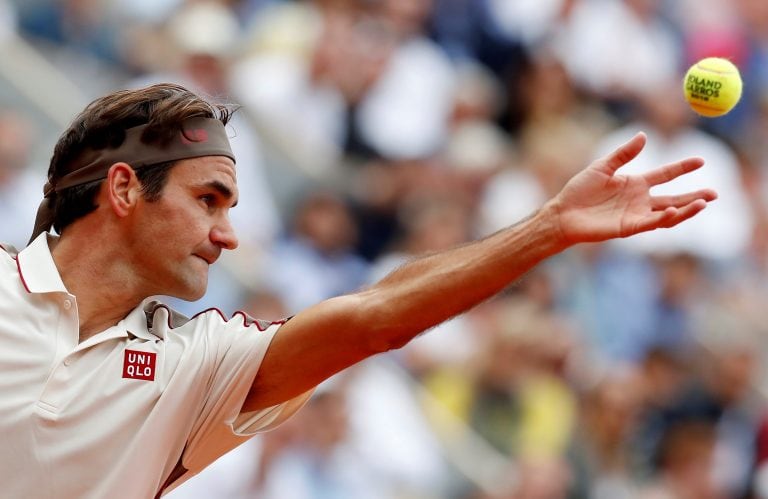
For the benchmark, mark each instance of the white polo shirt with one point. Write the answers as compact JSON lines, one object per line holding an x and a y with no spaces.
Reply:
{"x":135,"y":409}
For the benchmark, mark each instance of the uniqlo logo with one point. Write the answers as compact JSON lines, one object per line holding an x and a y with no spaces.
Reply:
{"x":139,"y":365}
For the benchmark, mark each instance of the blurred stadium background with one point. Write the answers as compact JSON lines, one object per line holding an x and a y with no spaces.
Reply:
{"x":374,"y":130}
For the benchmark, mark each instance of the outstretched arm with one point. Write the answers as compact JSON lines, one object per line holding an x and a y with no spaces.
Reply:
{"x":595,"y":205}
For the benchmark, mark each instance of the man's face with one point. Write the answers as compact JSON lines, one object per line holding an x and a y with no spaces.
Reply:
{"x":179,"y":235}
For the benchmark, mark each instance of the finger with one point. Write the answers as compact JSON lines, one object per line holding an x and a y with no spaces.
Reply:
{"x":670,"y":217}
{"x":623,"y":154}
{"x":680,"y":200}
{"x":672,"y":171}
{"x":677,"y":215}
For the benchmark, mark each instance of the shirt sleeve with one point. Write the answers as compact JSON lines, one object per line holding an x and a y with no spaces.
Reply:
{"x":236,"y":350}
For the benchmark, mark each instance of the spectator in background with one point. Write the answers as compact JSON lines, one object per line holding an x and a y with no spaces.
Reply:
{"x":540,"y":478}
{"x":314,"y":260}
{"x":317,"y":460}
{"x":632,"y":37}
{"x":285,"y":77}
{"x":530,"y":21}
{"x":686,"y":459}
{"x":683,"y":284}
{"x":8,"y":20}
{"x":19,"y":182}
{"x":475,"y":30}
{"x":729,"y":369}
{"x":522,"y":403}
{"x":376,"y":83}
{"x":752,"y":152}
{"x":546,"y":96}
{"x":663,"y":377}
{"x":85,"y":26}
{"x":405,"y":113}
{"x":478,"y":149}
{"x":475,"y":149}
{"x":602,"y":454}
{"x":611,"y":297}
{"x":713,"y":388}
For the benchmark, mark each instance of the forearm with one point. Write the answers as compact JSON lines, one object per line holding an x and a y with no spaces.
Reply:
{"x":434,"y":288}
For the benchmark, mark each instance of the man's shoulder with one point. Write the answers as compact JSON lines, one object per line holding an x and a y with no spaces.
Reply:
{"x":174,"y":319}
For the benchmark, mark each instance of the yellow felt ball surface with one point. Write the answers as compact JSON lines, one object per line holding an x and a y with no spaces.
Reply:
{"x":712,"y":86}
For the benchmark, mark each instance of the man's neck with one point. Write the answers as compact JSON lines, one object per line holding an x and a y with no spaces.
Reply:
{"x":103,"y":290}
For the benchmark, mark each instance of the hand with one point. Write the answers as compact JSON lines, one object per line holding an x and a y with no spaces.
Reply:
{"x":597,"y":204}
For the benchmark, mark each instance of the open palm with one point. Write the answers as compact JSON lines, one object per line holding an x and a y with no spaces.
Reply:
{"x":597,"y":204}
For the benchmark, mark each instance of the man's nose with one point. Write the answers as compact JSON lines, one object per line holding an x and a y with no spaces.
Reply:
{"x":223,"y":235}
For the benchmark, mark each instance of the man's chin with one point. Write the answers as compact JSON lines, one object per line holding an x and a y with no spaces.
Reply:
{"x":192,"y":291}
{"x":194,"y":296}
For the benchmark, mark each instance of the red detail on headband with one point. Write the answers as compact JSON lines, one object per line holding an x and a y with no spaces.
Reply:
{"x":194,"y":135}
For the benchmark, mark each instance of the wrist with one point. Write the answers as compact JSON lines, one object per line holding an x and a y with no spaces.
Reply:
{"x":549,"y":220}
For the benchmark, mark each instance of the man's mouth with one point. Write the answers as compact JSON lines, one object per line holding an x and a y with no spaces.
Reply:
{"x":206,"y":260}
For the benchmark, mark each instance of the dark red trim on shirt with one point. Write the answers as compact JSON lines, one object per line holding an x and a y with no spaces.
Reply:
{"x":248,"y":321}
{"x":21,"y":274}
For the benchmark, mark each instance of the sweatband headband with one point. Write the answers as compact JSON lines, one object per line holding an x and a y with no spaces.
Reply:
{"x":197,"y":137}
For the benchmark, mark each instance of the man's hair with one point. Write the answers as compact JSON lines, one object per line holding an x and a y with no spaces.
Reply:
{"x":102,"y":124}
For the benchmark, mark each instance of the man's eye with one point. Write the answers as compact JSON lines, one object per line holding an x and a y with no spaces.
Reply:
{"x":207,"y":199}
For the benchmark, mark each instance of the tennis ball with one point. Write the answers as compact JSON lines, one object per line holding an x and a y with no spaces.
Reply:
{"x":712,"y":86}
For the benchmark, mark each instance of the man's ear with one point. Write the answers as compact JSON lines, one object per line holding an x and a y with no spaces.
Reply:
{"x":122,"y":188}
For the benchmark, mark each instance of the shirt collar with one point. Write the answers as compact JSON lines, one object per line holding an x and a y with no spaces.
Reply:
{"x":136,"y":324}
{"x":37,"y":269}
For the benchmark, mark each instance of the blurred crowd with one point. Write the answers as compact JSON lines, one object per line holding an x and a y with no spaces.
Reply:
{"x":373,"y":131}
